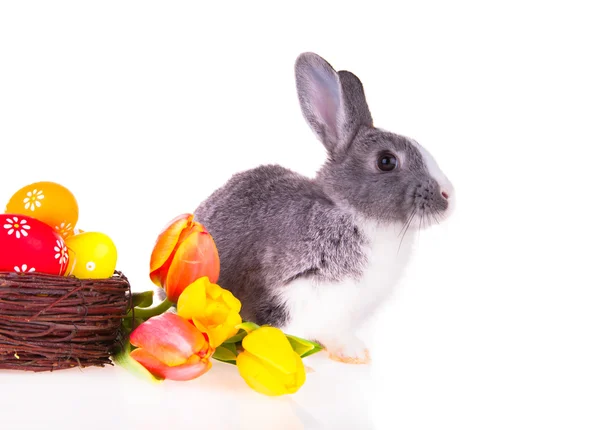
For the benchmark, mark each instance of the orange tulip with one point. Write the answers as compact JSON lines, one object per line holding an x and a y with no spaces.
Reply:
{"x":184,"y":252}
{"x":170,"y":347}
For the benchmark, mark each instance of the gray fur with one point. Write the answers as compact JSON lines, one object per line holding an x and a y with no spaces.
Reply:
{"x":272,"y":225}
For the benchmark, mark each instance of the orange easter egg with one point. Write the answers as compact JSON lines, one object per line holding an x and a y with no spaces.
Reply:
{"x":48,"y":202}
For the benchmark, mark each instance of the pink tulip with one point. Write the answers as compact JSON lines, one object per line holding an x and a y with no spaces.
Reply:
{"x":171,"y":348}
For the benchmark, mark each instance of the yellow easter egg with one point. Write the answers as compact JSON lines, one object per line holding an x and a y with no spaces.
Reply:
{"x":92,"y":255}
{"x":49,"y":202}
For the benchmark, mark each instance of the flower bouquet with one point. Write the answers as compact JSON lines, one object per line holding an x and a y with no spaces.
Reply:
{"x":199,"y":321}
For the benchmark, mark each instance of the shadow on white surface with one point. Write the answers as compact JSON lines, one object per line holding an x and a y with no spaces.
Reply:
{"x":333,"y":397}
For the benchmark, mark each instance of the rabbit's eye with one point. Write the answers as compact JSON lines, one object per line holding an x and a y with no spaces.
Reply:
{"x":387,"y":162}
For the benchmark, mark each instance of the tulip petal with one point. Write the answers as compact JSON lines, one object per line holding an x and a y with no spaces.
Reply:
{"x":210,"y":332}
{"x":270,"y":345}
{"x":192,"y":300}
{"x":169,"y":338}
{"x":233,"y":320}
{"x":213,"y":333}
{"x":300,"y":377}
{"x":167,"y":241}
{"x":192,"y":368}
{"x":200,"y":326}
{"x":216,"y":311}
{"x":257,"y":376}
{"x":216,"y":292}
{"x":194,"y":258}
{"x":231,"y":301}
{"x":219,"y":333}
{"x":203,"y":298}
{"x":209,"y":255}
{"x":267,"y":379}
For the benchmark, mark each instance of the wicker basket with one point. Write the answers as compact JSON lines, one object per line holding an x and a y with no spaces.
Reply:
{"x":55,"y":322}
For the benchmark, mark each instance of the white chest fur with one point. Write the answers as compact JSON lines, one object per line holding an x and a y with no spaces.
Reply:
{"x":320,"y":310}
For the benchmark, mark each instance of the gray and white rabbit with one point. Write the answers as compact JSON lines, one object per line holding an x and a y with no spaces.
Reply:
{"x":315,"y":257}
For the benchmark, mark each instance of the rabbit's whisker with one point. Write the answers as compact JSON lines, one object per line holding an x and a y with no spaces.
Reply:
{"x":430,"y":218}
{"x":405,"y":228}
{"x":436,"y":214}
{"x":420,"y":227}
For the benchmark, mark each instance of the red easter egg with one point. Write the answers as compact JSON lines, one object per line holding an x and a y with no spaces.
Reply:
{"x":28,"y":245}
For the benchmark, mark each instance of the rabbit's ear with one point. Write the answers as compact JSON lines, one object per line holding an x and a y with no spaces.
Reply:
{"x":333,"y":104}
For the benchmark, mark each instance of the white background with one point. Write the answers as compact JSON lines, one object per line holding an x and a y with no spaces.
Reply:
{"x":144,"y":108}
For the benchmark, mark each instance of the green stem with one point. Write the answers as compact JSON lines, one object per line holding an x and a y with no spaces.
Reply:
{"x":146,"y":313}
{"x":123,"y":358}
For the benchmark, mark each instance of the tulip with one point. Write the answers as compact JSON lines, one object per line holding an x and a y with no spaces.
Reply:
{"x":169,"y":347}
{"x":184,"y":252}
{"x":268,"y":363}
{"x":212,"y":309}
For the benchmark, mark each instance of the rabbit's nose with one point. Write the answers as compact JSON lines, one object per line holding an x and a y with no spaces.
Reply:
{"x":445,"y":194}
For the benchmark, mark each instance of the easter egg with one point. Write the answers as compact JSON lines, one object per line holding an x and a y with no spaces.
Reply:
{"x":28,"y":245}
{"x":93,"y":255}
{"x":48,"y":202}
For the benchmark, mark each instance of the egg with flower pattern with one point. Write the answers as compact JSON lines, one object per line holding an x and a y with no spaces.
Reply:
{"x":48,"y":202}
{"x":28,"y":245}
{"x":93,"y":255}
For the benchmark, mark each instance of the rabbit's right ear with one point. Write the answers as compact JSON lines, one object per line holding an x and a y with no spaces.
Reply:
{"x":332,"y":103}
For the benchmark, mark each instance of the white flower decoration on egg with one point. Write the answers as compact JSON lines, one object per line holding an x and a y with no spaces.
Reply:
{"x":61,"y":252}
{"x":33,"y":199}
{"x":19,"y":228}
{"x":24,"y":269}
{"x":64,"y":229}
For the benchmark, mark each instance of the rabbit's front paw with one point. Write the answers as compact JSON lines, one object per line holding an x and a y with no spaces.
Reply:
{"x":351,"y":351}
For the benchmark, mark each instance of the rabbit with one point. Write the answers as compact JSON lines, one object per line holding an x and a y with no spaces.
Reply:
{"x":315,"y":257}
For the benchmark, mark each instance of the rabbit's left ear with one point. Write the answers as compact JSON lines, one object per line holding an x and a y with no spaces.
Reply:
{"x":332,"y":103}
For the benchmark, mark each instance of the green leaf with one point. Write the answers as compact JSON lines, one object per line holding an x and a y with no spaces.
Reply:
{"x":241,"y":334}
{"x":303,"y":347}
{"x":123,"y":359}
{"x":225,"y":354}
{"x":231,"y":346}
{"x":142,"y":300}
{"x":248,"y":326}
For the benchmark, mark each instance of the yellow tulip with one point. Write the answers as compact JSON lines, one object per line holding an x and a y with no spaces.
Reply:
{"x":213,"y":310}
{"x":268,"y":363}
